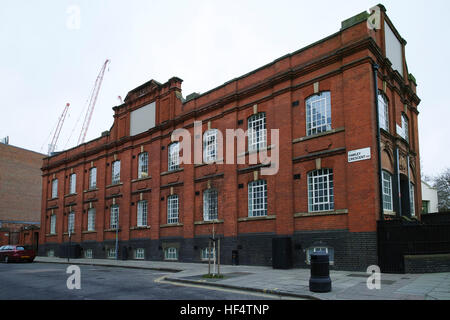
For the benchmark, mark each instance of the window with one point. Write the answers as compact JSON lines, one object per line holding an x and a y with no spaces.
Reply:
{"x":91,"y":219}
{"x":92,"y":178}
{"x":51,"y":253}
{"x":329,"y":251}
{"x":139,"y":254}
{"x":174,"y":156}
{"x":405,"y":127}
{"x":425,"y":206}
{"x":171,"y":254}
{"x":318,"y":113}
{"x":383,"y":112}
{"x":111,"y":253}
{"x":208,"y":254}
{"x":73,"y":183}
{"x":210,"y":205}
{"x":53,"y":224}
{"x":88,"y":254}
{"x":143,"y":165}
{"x":257,"y":133}
{"x":114,"y":222}
{"x":257,"y":198}
{"x":142,"y":213}
{"x":320,"y":190}
{"x":71,"y":222}
{"x":172,"y":209}
{"x":411,"y":199}
{"x":210,"y":146}
{"x":116,"y":172}
{"x":55,"y":188}
{"x":387,"y":191}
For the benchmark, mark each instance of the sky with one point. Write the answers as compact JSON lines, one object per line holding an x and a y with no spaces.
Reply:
{"x":52,"y":51}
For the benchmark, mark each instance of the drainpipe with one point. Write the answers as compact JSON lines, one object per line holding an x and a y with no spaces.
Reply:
{"x":397,"y":173}
{"x":375,"y":68}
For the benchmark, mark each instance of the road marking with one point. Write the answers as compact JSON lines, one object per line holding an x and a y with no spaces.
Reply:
{"x":162,"y":280}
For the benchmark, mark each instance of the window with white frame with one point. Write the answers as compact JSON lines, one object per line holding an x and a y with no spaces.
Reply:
{"x":91,"y":219}
{"x":142,"y":213}
{"x":114,"y":220}
{"x":411,"y":199}
{"x":387,"y":191}
{"x":257,"y":132}
{"x":71,"y":222}
{"x":208,"y":253}
{"x":210,"y":146}
{"x":88,"y":254}
{"x":174,"y":156}
{"x":383,"y":112}
{"x":55,"y":188}
{"x":92,"y":178}
{"x":51,"y":253}
{"x":320,"y":190}
{"x":172,"y":209}
{"x":73,"y":183}
{"x":405,"y":127}
{"x":171,"y":254}
{"x":318,"y":113}
{"x":111,"y":253}
{"x":210,"y":205}
{"x":143,"y":165}
{"x":326,"y":250}
{"x":53,"y":224}
{"x":115,"y":172}
{"x":257,"y":198}
{"x":139,"y":254}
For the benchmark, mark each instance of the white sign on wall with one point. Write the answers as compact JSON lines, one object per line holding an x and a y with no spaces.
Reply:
{"x":359,"y":155}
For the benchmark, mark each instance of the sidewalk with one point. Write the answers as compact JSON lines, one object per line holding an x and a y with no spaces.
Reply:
{"x":346,"y":285}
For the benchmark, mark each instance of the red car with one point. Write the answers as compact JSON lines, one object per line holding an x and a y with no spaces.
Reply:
{"x":11,"y":253}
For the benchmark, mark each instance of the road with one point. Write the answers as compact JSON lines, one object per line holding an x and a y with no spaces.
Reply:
{"x":46,"y":281}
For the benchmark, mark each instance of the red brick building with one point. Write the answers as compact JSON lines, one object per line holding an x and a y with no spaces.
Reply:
{"x":20,"y":193}
{"x":332,"y":185}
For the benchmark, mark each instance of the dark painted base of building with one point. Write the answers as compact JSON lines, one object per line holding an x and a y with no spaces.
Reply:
{"x":349,"y":251}
{"x":434,"y":263}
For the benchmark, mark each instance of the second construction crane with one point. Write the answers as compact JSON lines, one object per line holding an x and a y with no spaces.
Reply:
{"x":92,"y":101}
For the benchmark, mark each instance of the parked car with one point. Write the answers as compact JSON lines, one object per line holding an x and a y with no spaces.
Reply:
{"x":16,"y":253}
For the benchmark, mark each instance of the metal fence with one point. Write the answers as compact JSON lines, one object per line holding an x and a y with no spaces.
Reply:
{"x":397,"y":239}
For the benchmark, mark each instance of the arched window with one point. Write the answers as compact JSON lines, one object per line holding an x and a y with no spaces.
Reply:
{"x":257,"y":198}
{"x":257,"y":133}
{"x":318,"y":113}
{"x":383,"y":111}
{"x":387,"y":191}
{"x":143,"y":165}
{"x":210,"y":146}
{"x":210,"y":205}
{"x":405,"y":127}
{"x":320,"y":190}
{"x":115,"y":172}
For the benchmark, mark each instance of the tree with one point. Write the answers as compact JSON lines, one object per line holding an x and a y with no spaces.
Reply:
{"x":442,"y":184}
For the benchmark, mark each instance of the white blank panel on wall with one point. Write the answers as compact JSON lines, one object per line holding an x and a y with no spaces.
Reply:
{"x":142,"y":119}
{"x":394,"y":50}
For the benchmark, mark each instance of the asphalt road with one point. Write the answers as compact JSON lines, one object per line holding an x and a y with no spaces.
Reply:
{"x":44,"y":281}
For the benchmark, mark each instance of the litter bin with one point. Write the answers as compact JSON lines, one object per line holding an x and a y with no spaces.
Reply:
{"x":235,"y":258}
{"x":320,"y":280}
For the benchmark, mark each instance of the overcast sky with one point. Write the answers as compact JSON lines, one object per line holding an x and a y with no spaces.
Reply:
{"x":47,"y":59}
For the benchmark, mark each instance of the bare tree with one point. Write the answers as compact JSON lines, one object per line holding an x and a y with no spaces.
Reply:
{"x":442,"y":184}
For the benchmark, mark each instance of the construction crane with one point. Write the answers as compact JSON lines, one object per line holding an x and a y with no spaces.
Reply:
{"x":52,"y":145}
{"x":92,"y":101}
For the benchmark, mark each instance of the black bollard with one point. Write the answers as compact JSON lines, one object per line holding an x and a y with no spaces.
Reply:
{"x":320,"y":280}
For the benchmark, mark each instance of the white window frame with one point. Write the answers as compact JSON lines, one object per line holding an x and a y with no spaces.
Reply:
{"x":318,"y":106}
{"x":405,"y":127}
{"x":71,"y":222}
{"x":204,"y":254}
{"x":257,"y":198}
{"x":139,"y":253}
{"x":111,"y":253}
{"x":387,"y":191}
{"x":50,"y":253}
{"x":92,"y":178}
{"x":210,"y":205}
{"x":257,"y":132}
{"x":73,"y":183}
{"x":143,"y":165}
{"x":88,"y":253}
{"x":171,"y":253}
{"x":174,"y":156}
{"x":142,"y":213}
{"x":321,"y":190}
{"x":54,"y":188}
{"x":210,"y":146}
{"x":318,"y":249}
{"x":53,"y":224}
{"x":91,"y":219}
{"x":411,"y":199}
{"x":383,"y":111}
{"x":114,"y":217}
{"x":115,"y":178}
{"x":173,"y":209}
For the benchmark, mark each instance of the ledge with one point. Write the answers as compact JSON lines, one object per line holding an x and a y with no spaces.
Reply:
{"x":170,"y":172}
{"x":317,"y":135}
{"x":114,"y":185}
{"x":173,"y":225}
{"x":141,"y":179}
{"x":199,"y":223}
{"x":218,"y":161}
{"x":88,"y":232}
{"x":140,"y":228}
{"x":256,"y":151}
{"x":322,"y":213}
{"x":52,"y":199}
{"x":389,"y":213}
{"x":51,"y":234}
{"x":91,"y":190}
{"x":112,"y":230}
{"x":70,"y":195}
{"x":247,"y":219}
{"x":72,"y":234}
